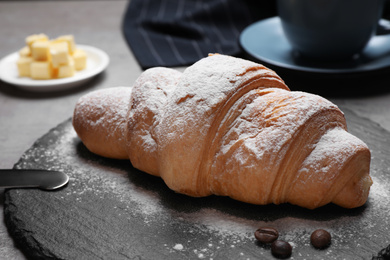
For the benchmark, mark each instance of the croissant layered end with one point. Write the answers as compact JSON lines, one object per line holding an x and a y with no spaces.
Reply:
{"x":99,"y":119}
{"x":337,"y":171}
{"x":355,"y":193}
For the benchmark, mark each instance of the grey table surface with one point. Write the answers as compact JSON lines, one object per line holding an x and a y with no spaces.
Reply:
{"x":26,"y":116}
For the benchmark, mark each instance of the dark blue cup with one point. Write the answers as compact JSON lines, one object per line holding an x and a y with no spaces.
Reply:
{"x":329,"y":29}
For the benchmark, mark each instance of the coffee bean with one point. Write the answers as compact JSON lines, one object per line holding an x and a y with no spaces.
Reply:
{"x":266,"y":235}
{"x":320,"y":238}
{"x":281,"y":249}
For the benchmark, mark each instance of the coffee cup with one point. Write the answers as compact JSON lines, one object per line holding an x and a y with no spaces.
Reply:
{"x":329,"y":29}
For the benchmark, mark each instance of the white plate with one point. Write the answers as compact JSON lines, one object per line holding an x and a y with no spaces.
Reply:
{"x":97,"y":61}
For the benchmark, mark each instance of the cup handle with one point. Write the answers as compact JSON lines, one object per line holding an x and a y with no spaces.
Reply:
{"x":383,"y":27}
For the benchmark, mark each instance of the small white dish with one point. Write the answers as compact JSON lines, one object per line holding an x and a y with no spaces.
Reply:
{"x":97,"y":61}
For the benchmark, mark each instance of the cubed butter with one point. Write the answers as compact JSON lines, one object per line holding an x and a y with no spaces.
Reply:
{"x":59,"y":53}
{"x":80,"y":59}
{"x":24,"y":52}
{"x":40,"y":70}
{"x":40,"y":51}
{"x":42,"y":58}
{"x":35,"y":37}
{"x":70,"y":40}
{"x":24,"y":64}
{"x":66,"y":70}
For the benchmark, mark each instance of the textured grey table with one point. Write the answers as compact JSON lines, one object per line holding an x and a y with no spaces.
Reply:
{"x":24,"y":117}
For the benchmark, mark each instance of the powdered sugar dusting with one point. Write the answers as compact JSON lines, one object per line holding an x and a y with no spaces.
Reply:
{"x":95,"y":108}
{"x":149,"y":96}
{"x":195,"y":108}
{"x":336,"y":139}
{"x":380,"y":189}
{"x":100,"y":120}
{"x":178,"y":247}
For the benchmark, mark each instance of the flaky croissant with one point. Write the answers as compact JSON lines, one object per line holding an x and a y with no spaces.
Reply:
{"x":229,"y":127}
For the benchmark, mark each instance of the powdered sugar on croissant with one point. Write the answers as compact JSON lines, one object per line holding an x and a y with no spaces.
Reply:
{"x":230,"y":127}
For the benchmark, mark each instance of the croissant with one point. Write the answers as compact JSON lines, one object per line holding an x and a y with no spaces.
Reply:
{"x":229,"y":127}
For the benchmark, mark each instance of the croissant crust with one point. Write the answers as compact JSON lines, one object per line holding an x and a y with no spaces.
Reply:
{"x":229,"y":127}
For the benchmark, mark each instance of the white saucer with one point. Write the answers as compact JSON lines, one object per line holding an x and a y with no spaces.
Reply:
{"x":265,"y":42}
{"x":97,"y":61}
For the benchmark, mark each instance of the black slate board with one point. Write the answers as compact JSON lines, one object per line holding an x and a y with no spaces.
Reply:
{"x":110,"y":210}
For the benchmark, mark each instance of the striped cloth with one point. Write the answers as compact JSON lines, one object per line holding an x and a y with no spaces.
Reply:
{"x":179,"y":32}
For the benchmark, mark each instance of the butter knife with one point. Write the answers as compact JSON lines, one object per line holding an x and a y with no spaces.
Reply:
{"x":26,"y":178}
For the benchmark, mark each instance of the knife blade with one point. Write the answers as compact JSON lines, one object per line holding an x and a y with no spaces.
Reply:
{"x":32,"y":178}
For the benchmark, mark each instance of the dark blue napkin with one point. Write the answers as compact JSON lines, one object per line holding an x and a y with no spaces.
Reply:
{"x":179,"y":32}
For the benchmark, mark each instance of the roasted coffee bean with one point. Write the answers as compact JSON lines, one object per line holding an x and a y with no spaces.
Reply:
{"x":281,"y":249}
{"x":266,"y":235}
{"x":320,"y":238}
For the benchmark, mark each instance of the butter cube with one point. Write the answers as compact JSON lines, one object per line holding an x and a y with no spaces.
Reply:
{"x":35,"y":37}
{"x":40,"y":51}
{"x":80,"y":59}
{"x":24,"y":64}
{"x":70,"y":40}
{"x":59,"y":53}
{"x":40,"y":70}
{"x":66,"y":70}
{"x":25,"y":52}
